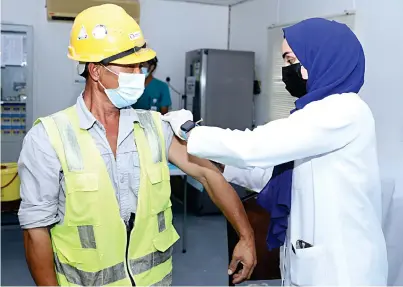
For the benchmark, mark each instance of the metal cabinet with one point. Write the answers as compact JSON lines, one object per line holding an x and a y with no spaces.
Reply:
{"x":219,"y":87}
{"x":16,"y":88}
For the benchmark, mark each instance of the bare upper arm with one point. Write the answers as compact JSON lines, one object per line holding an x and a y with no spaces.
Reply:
{"x":176,"y":151}
{"x":191,"y":165}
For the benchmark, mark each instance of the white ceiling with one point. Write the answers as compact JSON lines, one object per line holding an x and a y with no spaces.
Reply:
{"x":214,"y":2}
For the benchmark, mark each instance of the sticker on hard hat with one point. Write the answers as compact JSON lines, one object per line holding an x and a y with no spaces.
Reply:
{"x":135,"y":35}
{"x":99,"y":32}
{"x":83,"y":34}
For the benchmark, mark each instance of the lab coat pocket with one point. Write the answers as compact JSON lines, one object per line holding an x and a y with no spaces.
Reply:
{"x":305,"y":265}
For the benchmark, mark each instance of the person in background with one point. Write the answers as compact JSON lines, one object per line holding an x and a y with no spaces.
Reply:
{"x":324,"y":193}
{"x":95,"y":186}
{"x":156,"y":96}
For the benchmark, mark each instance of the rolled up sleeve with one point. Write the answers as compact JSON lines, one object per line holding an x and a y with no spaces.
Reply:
{"x":39,"y":171}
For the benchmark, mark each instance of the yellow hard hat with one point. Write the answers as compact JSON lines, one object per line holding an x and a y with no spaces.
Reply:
{"x":107,"y":34}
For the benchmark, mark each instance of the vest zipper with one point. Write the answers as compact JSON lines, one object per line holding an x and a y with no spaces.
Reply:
{"x":130,"y":226}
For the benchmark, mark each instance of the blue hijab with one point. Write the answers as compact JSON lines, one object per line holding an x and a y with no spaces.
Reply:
{"x":335,"y":62}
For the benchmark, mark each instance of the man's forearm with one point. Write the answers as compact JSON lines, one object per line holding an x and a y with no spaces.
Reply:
{"x":225,"y":197}
{"x":39,"y":255}
{"x":222,"y":194}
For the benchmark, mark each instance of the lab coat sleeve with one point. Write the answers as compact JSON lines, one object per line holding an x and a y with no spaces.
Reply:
{"x":315,"y":130}
{"x":253,"y":179}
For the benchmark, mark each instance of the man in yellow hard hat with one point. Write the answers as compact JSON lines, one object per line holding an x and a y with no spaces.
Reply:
{"x":95,"y":187}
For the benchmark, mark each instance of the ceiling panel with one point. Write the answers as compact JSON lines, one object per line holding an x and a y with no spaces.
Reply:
{"x":213,"y":2}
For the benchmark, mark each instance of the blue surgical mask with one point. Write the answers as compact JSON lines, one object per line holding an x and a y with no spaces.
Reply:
{"x":144,"y":71}
{"x":131,"y":87}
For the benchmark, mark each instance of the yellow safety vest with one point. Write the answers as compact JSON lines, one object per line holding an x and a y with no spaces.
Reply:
{"x":90,"y":245}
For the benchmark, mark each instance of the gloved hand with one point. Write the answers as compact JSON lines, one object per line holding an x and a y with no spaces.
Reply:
{"x":176,"y":119}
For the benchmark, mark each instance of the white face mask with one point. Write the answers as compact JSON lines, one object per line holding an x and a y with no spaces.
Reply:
{"x":131,"y":87}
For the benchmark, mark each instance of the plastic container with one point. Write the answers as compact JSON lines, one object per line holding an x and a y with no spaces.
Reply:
{"x":10,"y":182}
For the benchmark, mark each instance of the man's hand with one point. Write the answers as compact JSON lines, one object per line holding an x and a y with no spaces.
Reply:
{"x":176,"y":119}
{"x":244,"y":254}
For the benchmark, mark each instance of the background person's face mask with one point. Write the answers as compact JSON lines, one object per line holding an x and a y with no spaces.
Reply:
{"x":131,"y":87}
{"x":144,"y":71}
{"x":294,"y":83}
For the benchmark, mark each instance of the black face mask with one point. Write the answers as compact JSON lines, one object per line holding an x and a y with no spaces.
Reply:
{"x":294,"y":83}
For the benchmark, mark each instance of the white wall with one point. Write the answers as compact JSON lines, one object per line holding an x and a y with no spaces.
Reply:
{"x":381,"y":39}
{"x":294,"y":10}
{"x":171,"y":28}
{"x":248,"y":31}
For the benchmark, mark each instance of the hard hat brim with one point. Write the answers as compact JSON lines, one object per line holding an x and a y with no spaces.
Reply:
{"x":135,"y":58}
{"x":141,"y":56}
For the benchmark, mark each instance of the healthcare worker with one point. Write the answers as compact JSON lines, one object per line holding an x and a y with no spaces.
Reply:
{"x":95,"y":187}
{"x":324,"y":194}
{"x":156,"y":95}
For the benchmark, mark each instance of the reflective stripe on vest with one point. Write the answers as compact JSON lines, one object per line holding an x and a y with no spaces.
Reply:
{"x":115,"y":273}
{"x":87,"y":236}
{"x":71,"y":147}
{"x":102,"y":277}
{"x":161,"y":221}
{"x":154,"y":259}
{"x":166,"y":281}
{"x":71,"y":155}
{"x":147,"y":122}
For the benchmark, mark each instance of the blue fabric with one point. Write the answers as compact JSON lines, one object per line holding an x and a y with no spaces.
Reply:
{"x":157,"y":91}
{"x":335,"y":62}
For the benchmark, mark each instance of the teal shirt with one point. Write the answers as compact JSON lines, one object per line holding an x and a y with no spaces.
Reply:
{"x":156,"y":94}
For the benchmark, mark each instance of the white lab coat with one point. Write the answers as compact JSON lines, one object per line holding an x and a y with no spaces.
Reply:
{"x":336,"y":192}
{"x":253,"y":179}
